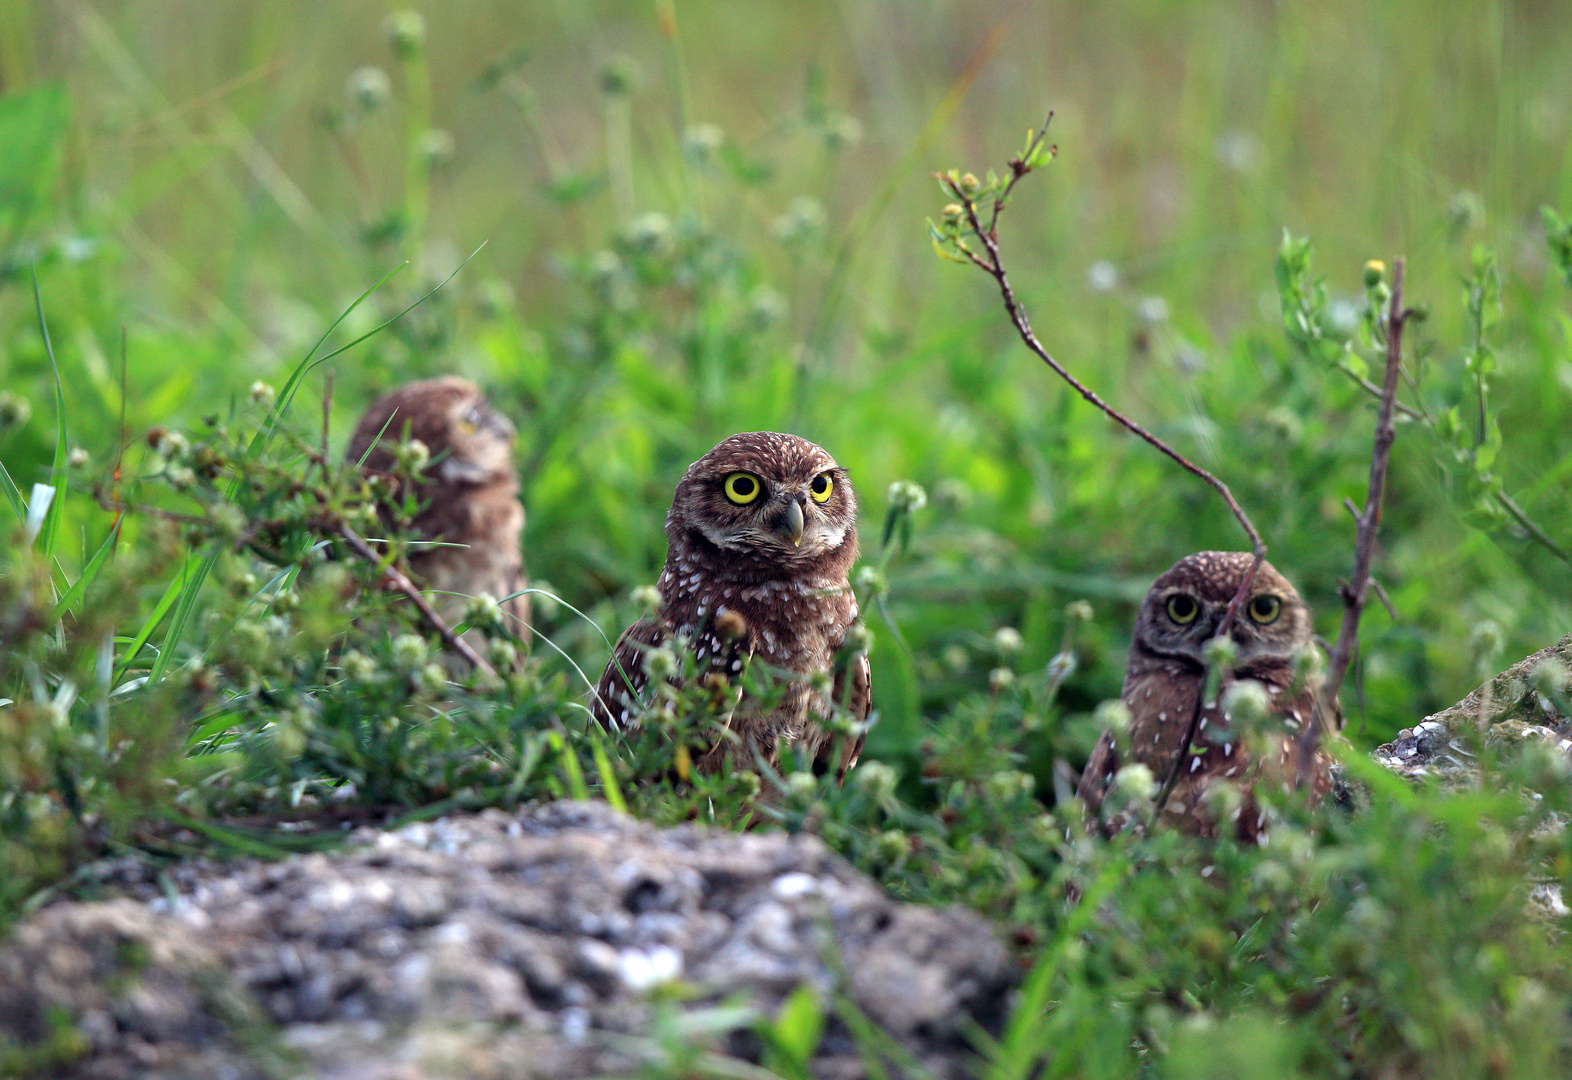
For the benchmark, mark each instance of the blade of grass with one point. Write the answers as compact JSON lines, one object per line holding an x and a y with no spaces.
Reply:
{"x":1022,"y":1045}
{"x":156,"y":616}
{"x":89,"y":573}
{"x":278,"y":845}
{"x":608,"y":776}
{"x":569,"y":761}
{"x":13,"y":494}
{"x":215,"y":726}
{"x":269,"y":427}
{"x":305,"y":367}
{"x":182,"y":615}
{"x":49,"y":535}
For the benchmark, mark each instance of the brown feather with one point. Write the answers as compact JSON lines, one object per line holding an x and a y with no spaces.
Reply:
{"x":468,"y":492}
{"x":732,"y":561}
{"x":1164,"y":679}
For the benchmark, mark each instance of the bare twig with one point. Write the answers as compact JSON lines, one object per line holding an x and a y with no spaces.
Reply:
{"x":327,"y":417}
{"x":401,"y":584}
{"x":964,"y":191}
{"x":1386,"y":601}
{"x":1369,"y":519}
{"x":1511,"y":507}
{"x":1375,"y":391}
{"x":993,"y":264}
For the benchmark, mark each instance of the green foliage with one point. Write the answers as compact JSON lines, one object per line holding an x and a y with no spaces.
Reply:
{"x":1558,"y":234}
{"x":196,"y":659}
{"x":1467,"y":449}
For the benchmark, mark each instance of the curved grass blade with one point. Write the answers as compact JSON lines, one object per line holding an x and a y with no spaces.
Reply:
{"x":49,"y":535}
{"x":305,"y":367}
{"x":182,"y":615}
{"x":156,"y":616}
{"x":89,"y":573}
{"x":13,"y":494}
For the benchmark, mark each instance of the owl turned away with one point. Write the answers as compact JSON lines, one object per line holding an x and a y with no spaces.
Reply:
{"x":761,"y":534}
{"x":468,"y":492}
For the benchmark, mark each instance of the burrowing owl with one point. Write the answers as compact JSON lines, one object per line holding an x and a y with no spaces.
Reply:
{"x":468,"y":493}
{"x":761,"y":533}
{"x":1164,"y":678}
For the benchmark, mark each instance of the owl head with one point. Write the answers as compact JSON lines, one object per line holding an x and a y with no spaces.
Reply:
{"x":1184,"y":608}
{"x":764,"y":499}
{"x":470,"y":442}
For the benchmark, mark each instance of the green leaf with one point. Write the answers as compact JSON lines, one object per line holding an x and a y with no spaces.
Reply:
{"x":13,"y":495}
{"x":1558,"y":236}
{"x":795,"y":1034}
{"x":183,"y":611}
{"x":156,"y":616}
{"x":608,"y":776}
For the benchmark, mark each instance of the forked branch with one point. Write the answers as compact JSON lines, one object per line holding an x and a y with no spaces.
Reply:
{"x":1368,"y":520}
{"x":962,"y":222}
{"x":966,"y":191}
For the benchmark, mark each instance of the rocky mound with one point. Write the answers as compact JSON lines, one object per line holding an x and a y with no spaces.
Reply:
{"x":1523,"y":703}
{"x":554,"y":942}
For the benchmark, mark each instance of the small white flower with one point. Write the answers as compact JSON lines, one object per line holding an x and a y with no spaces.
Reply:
{"x":1007,"y":640}
{"x":1136,"y":781}
{"x":409,"y":652}
{"x":1102,"y":276}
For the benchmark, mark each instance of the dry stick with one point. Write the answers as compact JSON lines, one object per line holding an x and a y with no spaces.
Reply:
{"x":1369,"y":520}
{"x":327,"y":417}
{"x":993,"y":265}
{"x":402,"y":584}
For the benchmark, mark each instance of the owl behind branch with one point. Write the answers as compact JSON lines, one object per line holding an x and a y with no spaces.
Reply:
{"x":1233,"y":753}
{"x":467,"y":495}
{"x":761,"y":534}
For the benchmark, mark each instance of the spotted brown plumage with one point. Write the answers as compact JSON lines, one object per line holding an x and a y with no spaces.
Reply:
{"x":761,"y":534}
{"x":468,"y":492}
{"x":1164,"y":680}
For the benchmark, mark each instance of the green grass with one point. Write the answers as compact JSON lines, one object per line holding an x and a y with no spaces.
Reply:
{"x":201,"y":201}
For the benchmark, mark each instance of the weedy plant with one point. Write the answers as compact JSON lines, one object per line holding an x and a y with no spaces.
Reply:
{"x":1327,"y":885}
{"x":279,"y":672}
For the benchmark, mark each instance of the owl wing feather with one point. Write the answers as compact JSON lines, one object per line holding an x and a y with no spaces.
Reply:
{"x":854,"y":693}
{"x":1097,"y":776}
{"x":618,"y":698}
{"x":621,"y":695}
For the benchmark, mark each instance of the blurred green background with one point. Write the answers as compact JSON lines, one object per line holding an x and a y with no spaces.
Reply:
{"x":706,"y":217}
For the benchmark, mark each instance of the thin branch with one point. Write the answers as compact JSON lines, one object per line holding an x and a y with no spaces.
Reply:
{"x":1386,"y":601}
{"x":992,"y":263}
{"x":1369,"y":519}
{"x":1375,"y":391}
{"x":994,"y":266}
{"x":401,"y":584}
{"x":1518,"y":515}
{"x":327,"y":418}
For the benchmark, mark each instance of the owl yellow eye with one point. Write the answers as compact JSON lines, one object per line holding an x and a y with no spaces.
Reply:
{"x":821,"y":487}
{"x":1183,"y":609}
{"x":742,"y":488}
{"x":1265,"y":609}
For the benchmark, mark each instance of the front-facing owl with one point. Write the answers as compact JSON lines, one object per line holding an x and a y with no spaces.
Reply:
{"x":761,"y":534}
{"x":1164,"y":680}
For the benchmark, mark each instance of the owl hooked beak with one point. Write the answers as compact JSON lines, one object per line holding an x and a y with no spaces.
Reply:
{"x":790,"y":524}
